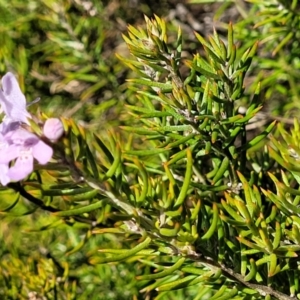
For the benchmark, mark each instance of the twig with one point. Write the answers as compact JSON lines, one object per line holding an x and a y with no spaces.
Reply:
{"x":18,"y":188}
{"x":262,"y":289}
{"x":229,"y":273}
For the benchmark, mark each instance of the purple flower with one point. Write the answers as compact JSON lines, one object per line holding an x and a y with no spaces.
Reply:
{"x":53,"y":129}
{"x":12,"y":100}
{"x":4,"y":179}
{"x":23,"y":146}
{"x":18,"y":146}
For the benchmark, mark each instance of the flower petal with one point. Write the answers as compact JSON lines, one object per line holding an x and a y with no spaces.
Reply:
{"x":8,"y":153}
{"x":42,"y":152}
{"x":21,"y":137}
{"x":4,"y":179}
{"x":22,"y":168}
{"x":9,"y":126}
{"x":53,"y":129}
{"x":12,"y":100}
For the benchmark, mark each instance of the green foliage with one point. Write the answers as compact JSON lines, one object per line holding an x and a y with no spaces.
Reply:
{"x":275,"y":24}
{"x":182,"y":200}
{"x":66,"y":54}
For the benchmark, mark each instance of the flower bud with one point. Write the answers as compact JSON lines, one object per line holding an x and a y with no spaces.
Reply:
{"x":53,"y":129}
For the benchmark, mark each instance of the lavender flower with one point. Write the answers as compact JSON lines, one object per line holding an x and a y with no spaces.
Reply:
{"x":53,"y":129}
{"x":5,"y":151}
{"x":4,"y":179}
{"x":12,"y":100}
{"x":24,"y":146}
{"x":18,"y":146}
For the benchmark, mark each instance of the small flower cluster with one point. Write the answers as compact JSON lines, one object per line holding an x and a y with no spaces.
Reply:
{"x":18,"y":146}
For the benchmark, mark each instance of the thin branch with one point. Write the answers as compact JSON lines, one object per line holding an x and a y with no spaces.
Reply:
{"x":262,"y":289}
{"x":19,"y":188}
{"x":229,"y":273}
